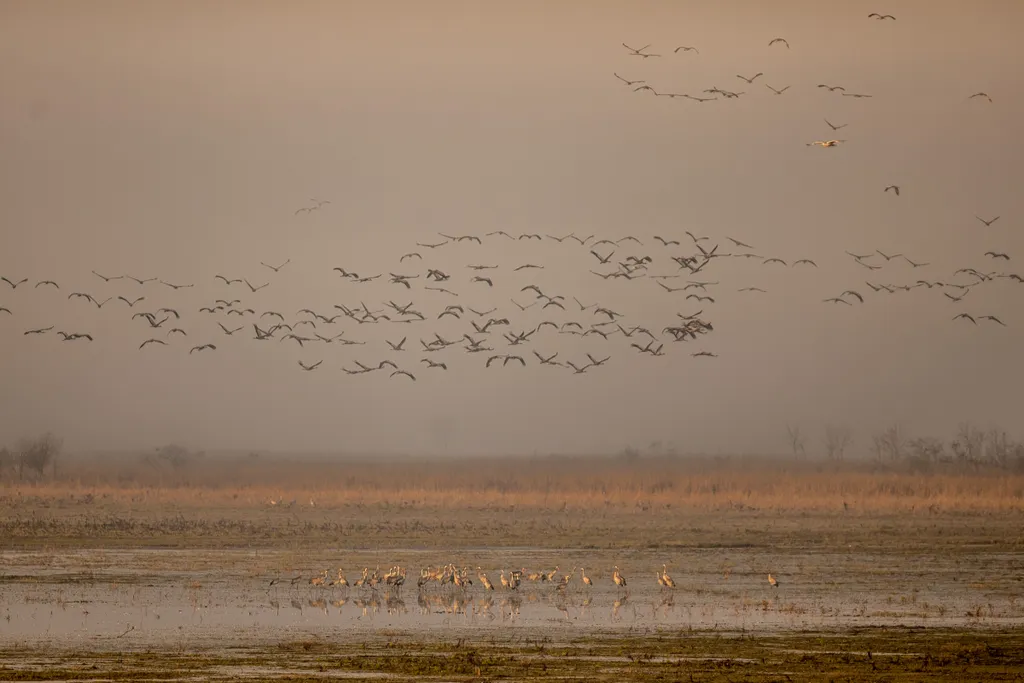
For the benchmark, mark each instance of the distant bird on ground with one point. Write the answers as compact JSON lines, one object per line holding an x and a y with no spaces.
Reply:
{"x":772,"y":581}
{"x":779,"y":40}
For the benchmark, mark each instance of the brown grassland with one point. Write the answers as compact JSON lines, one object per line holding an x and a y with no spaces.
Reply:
{"x":548,"y":501}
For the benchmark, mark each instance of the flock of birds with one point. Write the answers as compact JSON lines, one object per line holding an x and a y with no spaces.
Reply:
{"x":449,"y":589}
{"x":450,"y":575}
{"x":505,"y":333}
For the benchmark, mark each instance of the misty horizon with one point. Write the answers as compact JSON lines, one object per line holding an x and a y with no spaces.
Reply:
{"x":178,"y":142}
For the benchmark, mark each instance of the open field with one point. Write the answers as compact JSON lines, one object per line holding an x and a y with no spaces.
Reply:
{"x":554,"y":502}
{"x":122,"y":571}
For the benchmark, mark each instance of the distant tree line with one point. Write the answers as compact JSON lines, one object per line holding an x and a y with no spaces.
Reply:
{"x":970,"y":446}
{"x":32,"y":456}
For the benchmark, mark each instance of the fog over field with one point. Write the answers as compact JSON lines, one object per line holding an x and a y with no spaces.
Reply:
{"x":181,"y":141}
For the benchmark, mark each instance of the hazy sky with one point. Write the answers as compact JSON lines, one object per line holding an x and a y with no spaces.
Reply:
{"x":177,"y":139}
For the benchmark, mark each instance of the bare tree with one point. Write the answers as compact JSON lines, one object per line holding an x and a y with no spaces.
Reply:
{"x":796,"y":441}
{"x":926,"y":449}
{"x":999,"y":447}
{"x":39,"y":453}
{"x":894,"y":442}
{"x":837,"y":440}
{"x":969,"y":443}
{"x":6,"y":460}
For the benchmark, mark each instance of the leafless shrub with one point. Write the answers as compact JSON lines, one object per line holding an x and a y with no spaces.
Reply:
{"x":796,"y":441}
{"x":837,"y":440}
{"x":39,"y":453}
{"x":6,"y":460}
{"x":969,"y":443}
{"x":999,"y":449}
{"x":890,"y":444}
{"x":176,"y":456}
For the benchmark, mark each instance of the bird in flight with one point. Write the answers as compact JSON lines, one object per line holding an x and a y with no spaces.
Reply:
{"x":255,"y":289}
{"x":41,"y":330}
{"x":108,"y":279}
{"x":965,"y":316}
{"x":14,"y":285}
{"x":152,"y":341}
{"x":777,"y":92}
{"x":664,"y":241}
{"x":406,"y":373}
{"x":987,"y":223}
{"x":880,"y":17}
{"x":202,"y":347}
{"x":307,"y":368}
{"x":779,"y":40}
{"x":825,"y":143}
{"x":752,"y":78}
{"x":980,"y":94}
{"x":276,"y":268}
{"x":894,"y":188}
{"x":831,"y":88}
{"x":997,"y":254}
{"x":980,"y":317}
{"x":639,"y":53}
{"x":686,"y":48}
{"x":627,"y":82}
{"x":833,"y":126}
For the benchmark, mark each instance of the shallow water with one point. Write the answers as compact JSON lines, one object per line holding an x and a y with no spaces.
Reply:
{"x":178,"y":597}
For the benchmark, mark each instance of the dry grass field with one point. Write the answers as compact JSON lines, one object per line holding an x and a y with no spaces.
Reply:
{"x":550,"y":501}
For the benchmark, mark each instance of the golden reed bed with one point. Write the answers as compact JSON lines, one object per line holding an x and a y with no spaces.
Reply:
{"x":580,"y":483}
